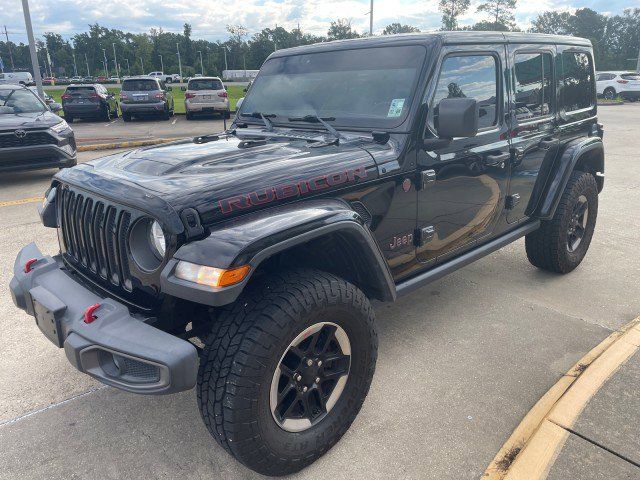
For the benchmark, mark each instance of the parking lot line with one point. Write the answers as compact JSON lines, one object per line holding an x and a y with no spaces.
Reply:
{"x":22,"y":201}
{"x":174,"y":121}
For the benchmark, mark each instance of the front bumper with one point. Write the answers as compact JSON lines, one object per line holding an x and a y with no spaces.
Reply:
{"x":116,"y":348}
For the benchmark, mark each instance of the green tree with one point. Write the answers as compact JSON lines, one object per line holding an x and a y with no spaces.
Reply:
{"x":501,"y":12}
{"x":451,"y":10}
{"x":556,"y":23}
{"x":394,"y":28}
{"x":341,"y":29}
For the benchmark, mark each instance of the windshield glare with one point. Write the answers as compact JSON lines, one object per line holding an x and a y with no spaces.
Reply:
{"x":140,"y":85}
{"x":369,"y":88}
{"x":20,"y":101}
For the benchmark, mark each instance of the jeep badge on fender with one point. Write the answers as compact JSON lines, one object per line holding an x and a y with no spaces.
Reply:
{"x":245,"y":263}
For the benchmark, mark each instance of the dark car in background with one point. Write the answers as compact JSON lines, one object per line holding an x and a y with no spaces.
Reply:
{"x":31,"y":135}
{"x":89,"y":101}
{"x":145,"y":96}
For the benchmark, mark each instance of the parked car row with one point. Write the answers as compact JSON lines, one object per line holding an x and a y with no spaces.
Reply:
{"x":143,"y":96}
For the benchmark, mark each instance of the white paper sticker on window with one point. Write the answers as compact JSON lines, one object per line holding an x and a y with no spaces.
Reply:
{"x":395,"y":109}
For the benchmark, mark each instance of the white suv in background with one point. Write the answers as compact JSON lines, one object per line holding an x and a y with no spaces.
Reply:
{"x":623,"y":83}
{"x":206,"y":95}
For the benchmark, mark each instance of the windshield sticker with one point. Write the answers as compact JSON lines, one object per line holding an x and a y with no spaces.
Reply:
{"x":395,"y":109}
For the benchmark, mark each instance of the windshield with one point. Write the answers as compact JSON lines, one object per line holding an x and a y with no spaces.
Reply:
{"x":369,"y":88}
{"x":140,"y":85}
{"x":210,"y":84}
{"x":20,"y":101}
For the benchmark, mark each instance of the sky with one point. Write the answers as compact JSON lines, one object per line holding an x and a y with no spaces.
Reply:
{"x":210,"y":17}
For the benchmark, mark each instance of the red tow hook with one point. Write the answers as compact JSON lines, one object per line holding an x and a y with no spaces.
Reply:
{"x":28,"y":266}
{"x":88,"y":313}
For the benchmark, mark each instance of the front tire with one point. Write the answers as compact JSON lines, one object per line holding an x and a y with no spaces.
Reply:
{"x":560,"y":244}
{"x":609,"y":93}
{"x":269,"y":347}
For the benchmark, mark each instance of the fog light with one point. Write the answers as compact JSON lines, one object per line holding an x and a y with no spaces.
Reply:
{"x":210,"y":276}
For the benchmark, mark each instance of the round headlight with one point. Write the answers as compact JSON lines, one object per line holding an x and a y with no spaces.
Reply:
{"x":157,"y":240}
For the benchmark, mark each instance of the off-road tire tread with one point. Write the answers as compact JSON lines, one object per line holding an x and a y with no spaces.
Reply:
{"x":545,"y":247}
{"x":226,"y":367}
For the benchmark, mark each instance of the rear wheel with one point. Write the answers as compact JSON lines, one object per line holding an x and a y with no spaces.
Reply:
{"x":165,"y":114}
{"x":68,"y":118}
{"x":115,"y":111}
{"x":126,"y":117}
{"x":609,"y":93}
{"x":189,"y":115}
{"x":560,"y":244}
{"x":226,"y":114}
{"x":106,"y":113}
{"x":286,"y":369}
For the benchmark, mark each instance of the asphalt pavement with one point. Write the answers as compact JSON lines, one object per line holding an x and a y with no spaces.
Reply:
{"x":461,"y":361}
{"x":91,"y":132}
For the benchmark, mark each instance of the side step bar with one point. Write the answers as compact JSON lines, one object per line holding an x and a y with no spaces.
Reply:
{"x":408,"y":286}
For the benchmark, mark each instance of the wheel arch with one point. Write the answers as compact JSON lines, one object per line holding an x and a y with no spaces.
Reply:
{"x":326,"y":235}
{"x":581,"y":154}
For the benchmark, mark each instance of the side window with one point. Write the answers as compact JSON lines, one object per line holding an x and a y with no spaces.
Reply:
{"x":578,"y":81}
{"x":533,"y":85}
{"x":471,"y":76}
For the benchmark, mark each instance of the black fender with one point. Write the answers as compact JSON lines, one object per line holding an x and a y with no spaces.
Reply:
{"x":584,"y":154}
{"x":254,"y":238}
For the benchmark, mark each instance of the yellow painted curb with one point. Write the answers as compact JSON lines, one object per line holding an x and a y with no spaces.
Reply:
{"x":22,"y":201}
{"x":525,"y":455}
{"x":128,"y":144}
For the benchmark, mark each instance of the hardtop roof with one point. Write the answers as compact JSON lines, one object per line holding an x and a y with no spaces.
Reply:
{"x":446,"y":38}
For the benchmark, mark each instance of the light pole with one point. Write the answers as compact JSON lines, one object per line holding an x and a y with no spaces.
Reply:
{"x":87,"y":62}
{"x":201,"y":66}
{"x":128,"y":68}
{"x":224,"y":49}
{"x":371,"y":20}
{"x":75,"y":66}
{"x":106,"y":69}
{"x":32,"y":48}
{"x":142,"y":63}
{"x":161,"y":64}
{"x":115,"y":60}
{"x":179,"y":60}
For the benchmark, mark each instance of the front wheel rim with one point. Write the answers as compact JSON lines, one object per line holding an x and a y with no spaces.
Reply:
{"x":577,"y":224}
{"x":310,"y":377}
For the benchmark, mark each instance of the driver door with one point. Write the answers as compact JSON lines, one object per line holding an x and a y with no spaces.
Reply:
{"x":464,"y":182}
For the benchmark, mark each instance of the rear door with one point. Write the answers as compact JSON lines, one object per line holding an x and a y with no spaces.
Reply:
{"x":534,"y":135}
{"x":463,"y":184}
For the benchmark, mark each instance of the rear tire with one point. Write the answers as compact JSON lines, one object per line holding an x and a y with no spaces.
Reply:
{"x":68,"y":118}
{"x":106,"y":113}
{"x":189,"y":116}
{"x":609,"y":93}
{"x":560,"y":244}
{"x":252,"y":350}
{"x":126,"y":117}
{"x":226,"y":114}
{"x":115,"y":112}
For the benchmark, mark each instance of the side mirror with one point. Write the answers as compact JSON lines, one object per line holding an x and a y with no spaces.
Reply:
{"x":457,"y":117}
{"x":239,"y":103}
{"x":183,"y":88}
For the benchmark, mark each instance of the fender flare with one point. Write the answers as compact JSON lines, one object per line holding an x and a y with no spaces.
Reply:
{"x":574,"y":154}
{"x":252,"y":239}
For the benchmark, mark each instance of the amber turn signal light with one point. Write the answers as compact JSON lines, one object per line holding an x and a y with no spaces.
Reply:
{"x":210,"y":276}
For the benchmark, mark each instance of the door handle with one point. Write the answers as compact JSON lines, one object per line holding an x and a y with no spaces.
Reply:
{"x":496,"y":159}
{"x":547,"y":142}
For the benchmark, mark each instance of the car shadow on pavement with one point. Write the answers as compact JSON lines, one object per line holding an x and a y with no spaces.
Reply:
{"x":17,"y":179}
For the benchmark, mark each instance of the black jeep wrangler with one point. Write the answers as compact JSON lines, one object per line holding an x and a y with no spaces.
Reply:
{"x":245,"y":263}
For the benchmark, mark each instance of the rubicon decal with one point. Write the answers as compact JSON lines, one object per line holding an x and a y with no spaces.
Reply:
{"x":289,"y":190}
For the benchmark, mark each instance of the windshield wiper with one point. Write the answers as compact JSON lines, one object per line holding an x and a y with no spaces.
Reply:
{"x":321,"y":120}
{"x":265,"y":118}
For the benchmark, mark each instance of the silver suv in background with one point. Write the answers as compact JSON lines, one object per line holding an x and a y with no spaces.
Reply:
{"x":145,"y":96}
{"x":206,"y":95}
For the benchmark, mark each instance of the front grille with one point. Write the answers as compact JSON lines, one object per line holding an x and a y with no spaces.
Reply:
{"x":95,"y":234}
{"x":11,"y":140}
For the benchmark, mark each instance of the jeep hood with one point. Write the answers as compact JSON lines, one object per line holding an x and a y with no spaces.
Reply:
{"x":230,"y":176}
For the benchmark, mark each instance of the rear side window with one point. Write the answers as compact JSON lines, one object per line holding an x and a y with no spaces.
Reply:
{"x":207,"y":84}
{"x":533,"y":85}
{"x":605,"y":76}
{"x":631,"y":76}
{"x":139,"y":85}
{"x":578,"y":81}
{"x":470,"y":76}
